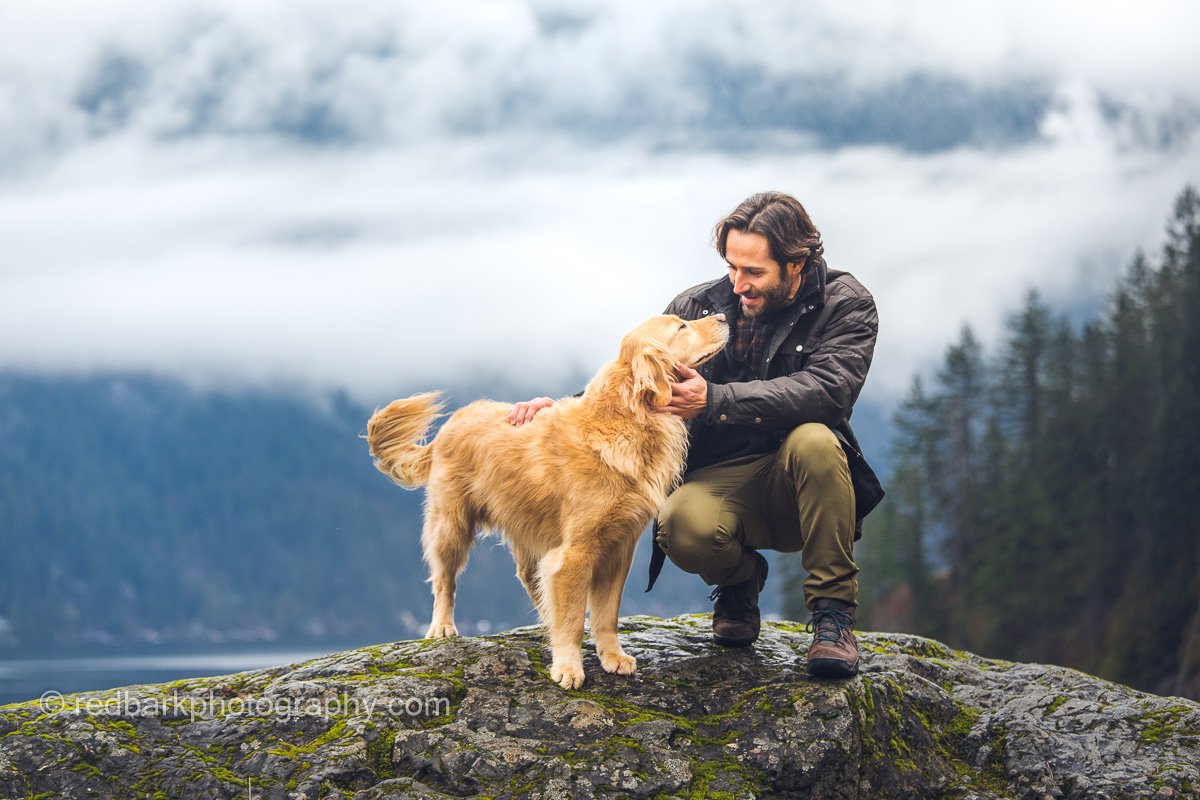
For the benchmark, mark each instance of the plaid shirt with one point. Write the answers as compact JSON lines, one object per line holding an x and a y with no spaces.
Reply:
{"x":748,"y":335}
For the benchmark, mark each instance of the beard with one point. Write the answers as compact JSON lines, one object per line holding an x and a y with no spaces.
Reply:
{"x":773,"y":297}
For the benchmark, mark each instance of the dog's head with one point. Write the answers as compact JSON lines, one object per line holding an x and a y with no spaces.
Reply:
{"x":655,"y":347}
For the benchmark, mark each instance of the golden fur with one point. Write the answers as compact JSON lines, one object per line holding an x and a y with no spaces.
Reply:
{"x":571,"y":490}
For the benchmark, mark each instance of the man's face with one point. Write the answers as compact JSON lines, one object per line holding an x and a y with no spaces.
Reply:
{"x":757,"y":279}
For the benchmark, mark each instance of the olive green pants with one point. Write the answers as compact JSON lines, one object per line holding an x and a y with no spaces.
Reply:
{"x":797,"y":498}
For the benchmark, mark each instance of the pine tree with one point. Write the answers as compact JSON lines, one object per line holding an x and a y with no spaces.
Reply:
{"x":1042,"y":503}
{"x":955,"y":472}
{"x":1149,"y":625}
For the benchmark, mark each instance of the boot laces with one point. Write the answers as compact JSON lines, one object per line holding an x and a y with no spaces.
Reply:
{"x":735,"y":596}
{"x":744,"y":595}
{"x":829,"y":624}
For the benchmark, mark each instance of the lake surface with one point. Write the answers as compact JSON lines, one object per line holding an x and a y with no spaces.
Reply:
{"x":24,"y":679}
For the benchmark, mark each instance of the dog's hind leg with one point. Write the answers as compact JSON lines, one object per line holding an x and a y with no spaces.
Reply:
{"x":446,"y":540}
{"x":527,"y":572}
{"x":608,"y":581}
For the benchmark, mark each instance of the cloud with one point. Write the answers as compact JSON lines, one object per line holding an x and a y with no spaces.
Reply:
{"x":376,"y":196}
{"x":929,"y":77}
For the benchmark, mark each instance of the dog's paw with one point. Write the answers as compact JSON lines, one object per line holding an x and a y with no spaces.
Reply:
{"x":619,"y":663}
{"x":441,"y":630}
{"x":568,"y":676}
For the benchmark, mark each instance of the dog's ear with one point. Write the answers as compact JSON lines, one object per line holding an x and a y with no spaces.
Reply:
{"x":652,"y":368}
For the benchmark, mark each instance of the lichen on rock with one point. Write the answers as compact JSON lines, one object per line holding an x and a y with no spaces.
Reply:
{"x":479,"y":717}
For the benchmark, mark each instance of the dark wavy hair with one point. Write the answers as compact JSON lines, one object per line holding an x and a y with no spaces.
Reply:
{"x":790,"y":232}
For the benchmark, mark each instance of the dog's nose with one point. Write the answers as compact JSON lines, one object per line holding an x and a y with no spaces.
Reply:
{"x":721,"y":317}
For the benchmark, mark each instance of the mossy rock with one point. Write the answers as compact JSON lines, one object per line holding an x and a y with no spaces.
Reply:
{"x":479,"y":717}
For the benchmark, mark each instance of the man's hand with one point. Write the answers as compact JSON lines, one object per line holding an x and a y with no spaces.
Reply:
{"x":689,"y":396}
{"x":523,"y":412}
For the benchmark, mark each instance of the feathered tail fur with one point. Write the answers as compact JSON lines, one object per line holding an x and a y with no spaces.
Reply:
{"x":395,"y":433}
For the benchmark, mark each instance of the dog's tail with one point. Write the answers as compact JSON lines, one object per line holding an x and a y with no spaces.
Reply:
{"x":394,"y":434}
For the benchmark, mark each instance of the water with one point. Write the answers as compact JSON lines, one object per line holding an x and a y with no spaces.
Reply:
{"x":24,"y":679}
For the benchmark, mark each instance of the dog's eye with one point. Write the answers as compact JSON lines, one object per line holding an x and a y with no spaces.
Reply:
{"x":682,"y":325}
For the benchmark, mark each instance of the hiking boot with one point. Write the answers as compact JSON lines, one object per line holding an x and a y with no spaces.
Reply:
{"x":834,"y":651}
{"x":735,"y":608}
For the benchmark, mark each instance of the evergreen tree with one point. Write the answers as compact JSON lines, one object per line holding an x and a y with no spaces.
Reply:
{"x":1054,"y":485}
{"x":956,"y":431}
{"x":895,"y":557}
{"x":1150,"y":624}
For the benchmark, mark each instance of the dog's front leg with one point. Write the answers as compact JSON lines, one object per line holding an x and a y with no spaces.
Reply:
{"x":607,"y":583}
{"x":565,"y":576}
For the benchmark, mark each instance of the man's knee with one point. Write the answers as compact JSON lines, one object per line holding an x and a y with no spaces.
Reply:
{"x":814,"y":449}
{"x":695,"y":536}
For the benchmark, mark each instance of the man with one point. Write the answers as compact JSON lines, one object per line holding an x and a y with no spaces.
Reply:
{"x":772,"y":462}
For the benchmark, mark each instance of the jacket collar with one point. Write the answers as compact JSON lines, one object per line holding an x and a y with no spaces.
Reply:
{"x":814,"y":289}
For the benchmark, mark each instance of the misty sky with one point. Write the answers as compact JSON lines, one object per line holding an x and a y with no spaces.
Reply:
{"x":382,"y":196}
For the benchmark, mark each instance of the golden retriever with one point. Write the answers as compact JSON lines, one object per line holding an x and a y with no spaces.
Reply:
{"x":570,"y":491}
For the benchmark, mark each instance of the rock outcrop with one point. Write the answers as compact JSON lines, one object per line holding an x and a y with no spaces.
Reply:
{"x":480,"y":717}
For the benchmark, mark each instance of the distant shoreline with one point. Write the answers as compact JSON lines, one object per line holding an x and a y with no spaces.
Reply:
{"x":26,"y":676}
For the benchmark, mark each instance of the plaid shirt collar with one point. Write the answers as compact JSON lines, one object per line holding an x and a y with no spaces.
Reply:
{"x":746,"y":337}
{"x":749,"y":335}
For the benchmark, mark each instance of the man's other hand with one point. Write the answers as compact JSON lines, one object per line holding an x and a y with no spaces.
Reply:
{"x":689,"y":396}
{"x":523,"y":412}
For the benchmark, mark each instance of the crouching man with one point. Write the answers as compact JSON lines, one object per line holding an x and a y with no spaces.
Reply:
{"x":772,"y":462}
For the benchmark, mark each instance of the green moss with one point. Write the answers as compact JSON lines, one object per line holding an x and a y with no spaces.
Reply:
{"x":704,"y":773}
{"x":225,"y":775}
{"x":883,"y":737}
{"x":617,"y":744}
{"x":121,"y":727}
{"x":877,"y":720}
{"x":379,"y":754}
{"x":538,"y":659}
{"x":1164,"y":723}
{"x":294,"y":752}
{"x":962,"y":724}
{"x":1055,"y":705}
{"x":949,"y":741}
{"x":627,"y":713}
{"x":214,"y":760}
{"x":458,"y":693}
{"x":707,"y":734}
{"x":767,"y":704}
{"x":149,"y":776}
{"x":28,"y":728}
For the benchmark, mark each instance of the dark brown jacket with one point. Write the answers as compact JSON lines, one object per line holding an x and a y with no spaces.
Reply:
{"x":811,"y":370}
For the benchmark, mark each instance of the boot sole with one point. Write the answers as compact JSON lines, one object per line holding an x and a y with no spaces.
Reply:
{"x":725,"y":641}
{"x":831,"y":668}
